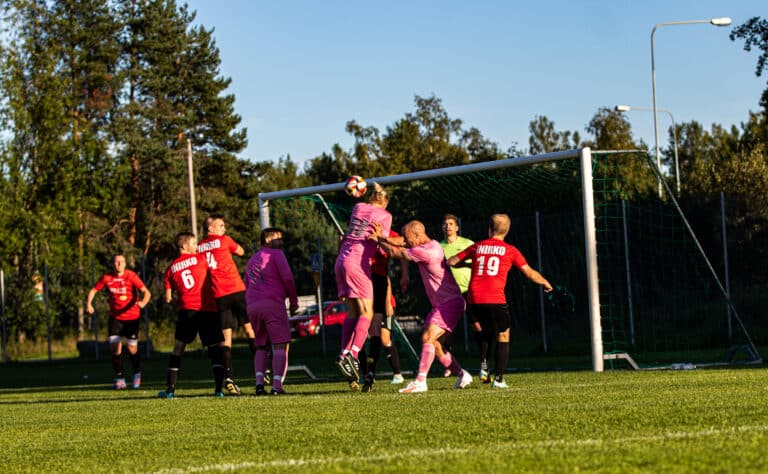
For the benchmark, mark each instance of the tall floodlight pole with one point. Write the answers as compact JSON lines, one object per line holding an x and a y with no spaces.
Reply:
{"x":724,"y":21}
{"x":191,"y":176}
{"x":627,"y":108}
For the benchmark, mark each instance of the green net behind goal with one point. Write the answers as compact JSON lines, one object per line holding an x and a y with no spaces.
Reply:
{"x":659,"y":300}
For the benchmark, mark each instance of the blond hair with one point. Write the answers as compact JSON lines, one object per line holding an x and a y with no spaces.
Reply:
{"x":379,"y":194}
{"x":499,"y":224}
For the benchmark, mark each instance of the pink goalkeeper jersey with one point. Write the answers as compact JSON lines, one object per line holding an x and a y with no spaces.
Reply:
{"x":268,"y":278}
{"x":438,"y":280}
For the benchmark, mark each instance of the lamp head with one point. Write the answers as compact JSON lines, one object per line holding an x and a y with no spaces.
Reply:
{"x":723,"y":21}
{"x":622,"y":108}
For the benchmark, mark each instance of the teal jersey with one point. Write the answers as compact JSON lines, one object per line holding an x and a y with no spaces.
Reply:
{"x":460,"y":274}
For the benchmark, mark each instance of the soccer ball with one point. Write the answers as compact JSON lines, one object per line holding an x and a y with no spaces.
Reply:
{"x":355,"y":186}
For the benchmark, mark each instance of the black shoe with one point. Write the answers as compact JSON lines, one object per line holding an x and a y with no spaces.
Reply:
{"x":231,"y":387}
{"x":260,"y":390}
{"x":368,"y":383}
{"x":354,"y":366}
{"x":346,"y":368}
{"x":276,"y":391}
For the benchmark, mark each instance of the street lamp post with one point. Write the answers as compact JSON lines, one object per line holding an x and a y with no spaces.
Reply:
{"x":191,"y":178}
{"x":627,"y":108}
{"x":724,"y":21}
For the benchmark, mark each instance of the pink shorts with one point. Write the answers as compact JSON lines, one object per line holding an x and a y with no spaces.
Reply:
{"x":446,"y":315}
{"x":353,"y":276}
{"x":270,"y":323}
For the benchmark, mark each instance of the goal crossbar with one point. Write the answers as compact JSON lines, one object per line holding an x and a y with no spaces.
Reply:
{"x":590,"y":238}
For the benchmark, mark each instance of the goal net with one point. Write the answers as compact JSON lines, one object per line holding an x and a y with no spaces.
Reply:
{"x":634,"y":286}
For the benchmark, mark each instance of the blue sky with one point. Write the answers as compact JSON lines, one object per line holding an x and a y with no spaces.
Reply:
{"x":301,"y":69}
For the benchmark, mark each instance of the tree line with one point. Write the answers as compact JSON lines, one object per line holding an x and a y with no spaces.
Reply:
{"x":100,"y":99}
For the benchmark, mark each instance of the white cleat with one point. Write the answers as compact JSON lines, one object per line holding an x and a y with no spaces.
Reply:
{"x":464,"y":380}
{"x":397,"y":379}
{"x":499,"y":384}
{"x":414,"y":387}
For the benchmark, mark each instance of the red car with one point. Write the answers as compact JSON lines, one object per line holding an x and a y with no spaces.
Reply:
{"x":308,"y":322}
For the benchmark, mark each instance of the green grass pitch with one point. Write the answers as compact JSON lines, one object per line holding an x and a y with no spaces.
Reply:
{"x":54,"y":420}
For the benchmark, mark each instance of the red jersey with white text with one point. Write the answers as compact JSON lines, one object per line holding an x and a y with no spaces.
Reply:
{"x":188,"y":277}
{"x":491,"y":261}
{"x":123,"y":294}
{"x":225,"y":276}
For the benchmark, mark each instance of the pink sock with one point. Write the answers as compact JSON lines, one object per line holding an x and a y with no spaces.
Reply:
{"x":347,"y":328}
{"x":449,"y":362}
{"x":425,"y":362}
{"x":279,"y":368}
{"x":260,"y":365}
{"x":361,"y":334}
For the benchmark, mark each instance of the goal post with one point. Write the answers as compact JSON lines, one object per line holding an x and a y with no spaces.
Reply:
{"x":585,"y":162}
{"x":644,"y":293}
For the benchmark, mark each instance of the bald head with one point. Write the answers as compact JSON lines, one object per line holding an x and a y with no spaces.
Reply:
{"x":415,"y":234}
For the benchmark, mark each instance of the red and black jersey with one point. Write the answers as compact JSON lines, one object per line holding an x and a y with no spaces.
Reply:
{"x":123,"y":297}
{"x":225,"y":276}
{"x":189,"y":278}
{"x":491,"y":261}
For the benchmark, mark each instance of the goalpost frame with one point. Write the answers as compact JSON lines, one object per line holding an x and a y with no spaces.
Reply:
{"x":590,"y":235}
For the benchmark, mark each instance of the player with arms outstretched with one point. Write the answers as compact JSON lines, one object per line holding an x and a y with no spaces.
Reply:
{"x":124,"y":315}
{"x":188,"y":279}
{"x":353,"y":278}
{"x":228,"y":289}
{"x":492,"y":259}
{"x":443,"y":293}
{"x":268,"y":282}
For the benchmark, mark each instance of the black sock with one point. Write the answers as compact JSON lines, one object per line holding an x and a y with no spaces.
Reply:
{"x":502,"y":357}
{"x":362,"y":357}
{"x":226,"y":356}
{"x":117,"y":365}
{"x":252,"y":346}
{"x":394,"y":358}
{"x":136,"y":362}
{"x":375,"y":347}
{"x":217,"y":365}
{"x":173,"y":372}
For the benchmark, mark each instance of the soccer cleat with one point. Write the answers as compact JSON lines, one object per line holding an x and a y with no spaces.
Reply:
{"x":341,"y":363}
{"x":260,"y":390}
{"x":277,"y":391}
{"x":165,"y":394}
{"x":499,"y":384}
{"x":484,"y":376}
{"x":267,"y":377}
{"x":231,"y":387}
{"x":349,"y":366}
{"x":218,"y":394}
{"x":354,"y":385}
{"x":464,"y":380}
{"x":368,"y":383}
{"x":414,"y":387}
{"x":397,"y":379}
{"x":136,"y":383}
{"x":119,"y":384}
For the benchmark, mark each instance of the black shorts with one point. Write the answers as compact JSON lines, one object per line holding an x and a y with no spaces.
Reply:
{"x":493,"y":318}
{"x":468,"y":313}
{"x":190,"y":323}
{"x":232,"y":310}
{"x":126,"y":329}
{"x":379,"y":293}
